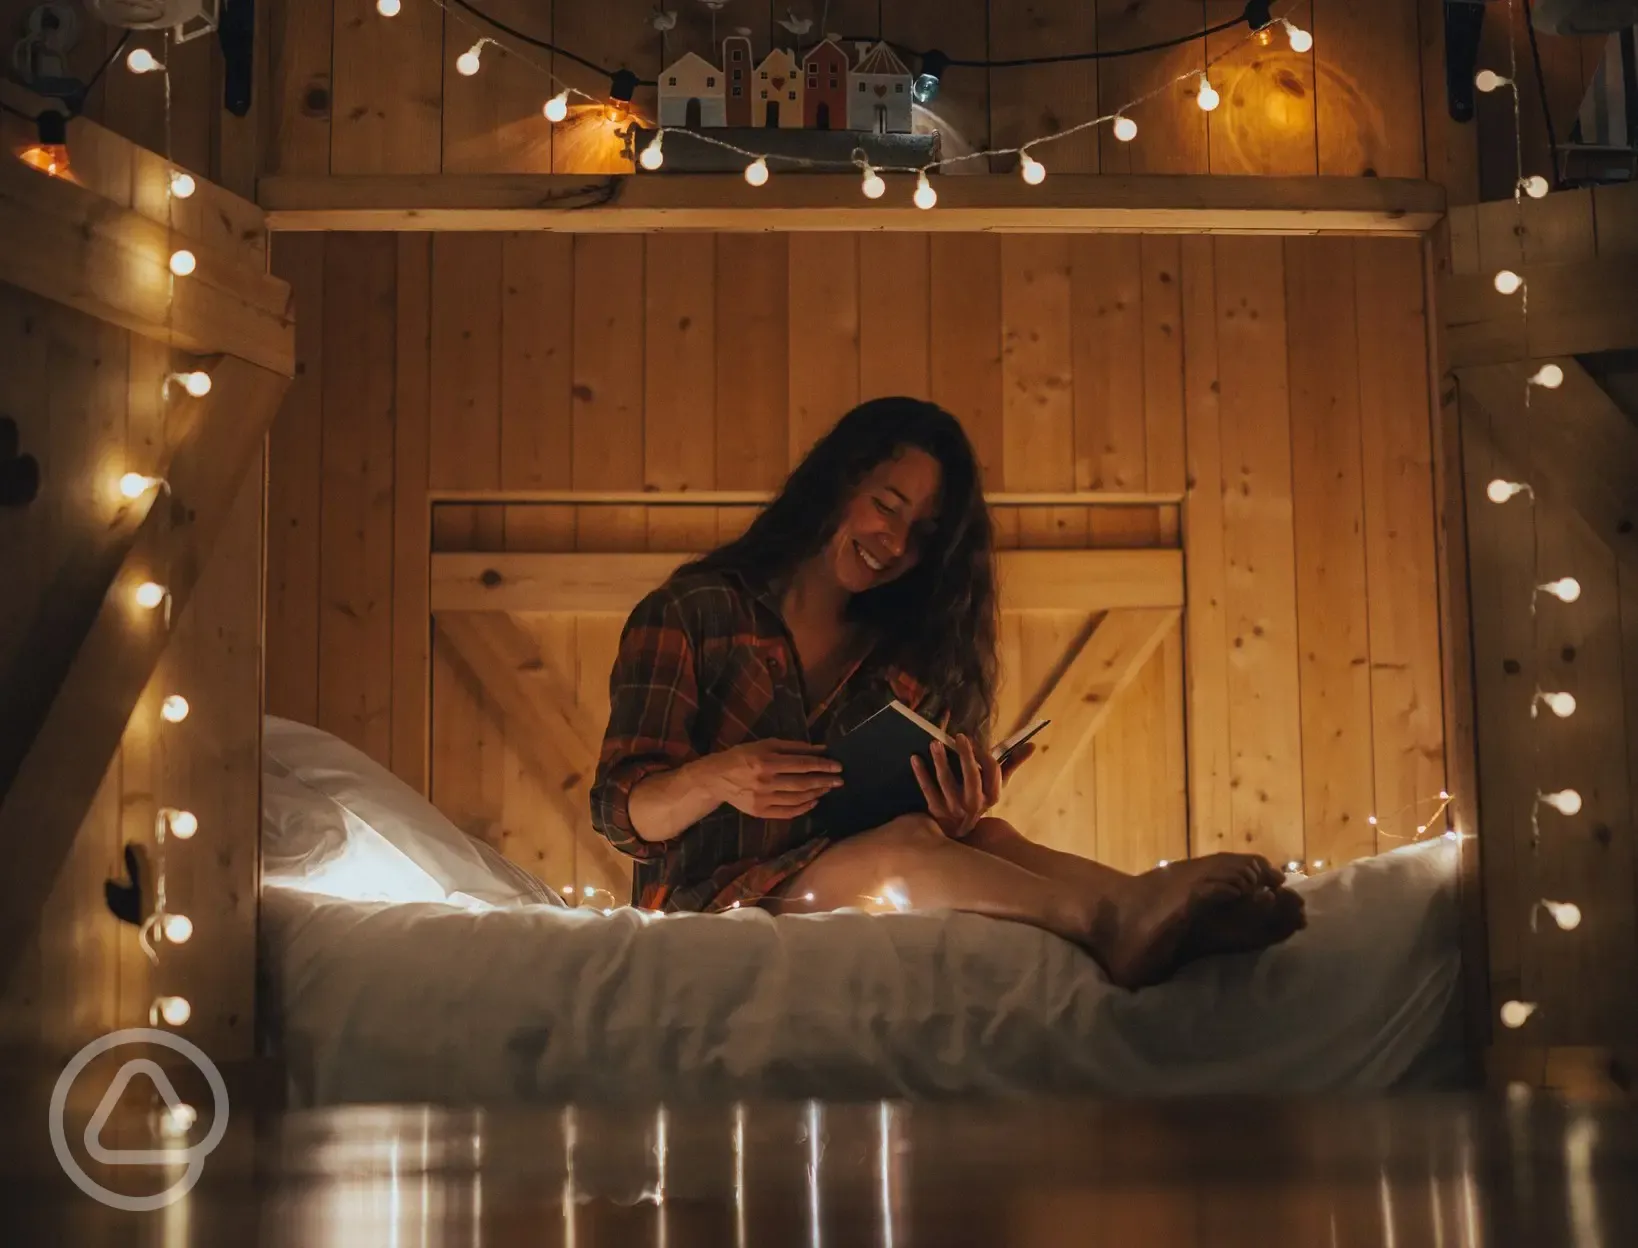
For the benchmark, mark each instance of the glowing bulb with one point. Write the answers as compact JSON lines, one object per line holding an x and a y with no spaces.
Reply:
{"x":174,"y":1010}
{"x":1560,"y":704}
{"x":1565,"y":913}
{"x":1487,"y":80}
{"x":182,"y":824}
{"x":1565,"y":801}
{"x":177,"y":1120}
{"x":1535,"y":186}
{"x":1301,"y":40}
{"x":734,"y":906}
{"x":807,"y":896}
{"x":588,"y":890}
{"x":873,"y":186}
{"x":174,"y":709}
{"x":1421,"y":829}
{"x":896,"y":897}
{"x":182,"y":184}
{"x":135,"y":485}
{"x":1515,"y":1014}
{"x":1443,"y":796}
{"x":925,"y":196}
{"x":557,"y":108}
{"x":389,"y":8}
{"x":177,"y":928}
{"x":1319,"y":864}
{"x":1293,"y":865}
{"x":467,"y":63}
{"x":183,"y":262}
{"x":1030,"y":169}
{"x":653,"y":156}
{"x":196,"y":383}
{"x":756,"y":173}
{"x":1499,"y":491}
{"x":1371,"y":819}
{"x":149,"y":594}
{"x":1548,"y":376}
{"x":1565,"y":589}
{"x":1164,"y":862}
{"x":1125,"y":128}
{"x":142,"y":61}
{"x":1507,"y":281}
{"x":1208,"y":98}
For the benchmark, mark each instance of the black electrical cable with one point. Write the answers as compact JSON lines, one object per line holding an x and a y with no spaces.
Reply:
{"x":1111,"y":54}
{"x":16,"y":112}
{"x":101,"y":70}
{"x":1541,"y":89}
{"x":543,"y":44}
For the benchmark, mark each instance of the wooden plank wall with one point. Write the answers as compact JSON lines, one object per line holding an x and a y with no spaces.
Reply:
{"x":1276,"y":388}
{"x":87,"y":400}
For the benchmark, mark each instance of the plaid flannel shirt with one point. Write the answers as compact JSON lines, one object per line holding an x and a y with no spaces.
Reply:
{"x":706,"y":663}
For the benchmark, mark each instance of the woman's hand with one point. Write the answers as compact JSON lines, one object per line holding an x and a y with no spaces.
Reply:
{"x":959,"y":803}
{"x":773,"y":779}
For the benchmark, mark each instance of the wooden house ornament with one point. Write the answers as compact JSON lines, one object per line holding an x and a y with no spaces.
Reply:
{"x":878,"y":95}
{"x":824,"y":96}
{"x":778,"y":101}
{"x":691,"y":94}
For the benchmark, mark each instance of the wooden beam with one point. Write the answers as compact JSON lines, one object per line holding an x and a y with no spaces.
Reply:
{"x":1579,"y":448}
{"x":90,"y":253}
{"x":1079,"y":703}
{"x":64,"y":716}
{"x":552,"y":734}
{"x":756,"y":498}
{"x":612,"y":584}
{"x":1576,"y":308}
{"x":1065,"y":203}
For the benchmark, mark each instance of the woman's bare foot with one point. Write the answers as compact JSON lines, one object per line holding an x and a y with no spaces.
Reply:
{"x":1140,"y":936}
{"x":1265,"y":917}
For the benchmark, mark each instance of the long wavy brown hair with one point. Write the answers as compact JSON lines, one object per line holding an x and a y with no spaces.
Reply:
{"x":939,"y":620}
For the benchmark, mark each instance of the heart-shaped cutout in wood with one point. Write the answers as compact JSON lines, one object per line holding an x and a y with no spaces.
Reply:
{"x":881,"y":88}
{"x":778,"y":83}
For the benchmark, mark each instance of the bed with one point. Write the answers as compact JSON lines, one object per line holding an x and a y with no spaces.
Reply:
{"x":403,"y":961}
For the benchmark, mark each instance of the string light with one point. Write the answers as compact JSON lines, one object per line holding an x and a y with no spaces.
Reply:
{"x":1294,"y":866}
{"x":653,"y":156}
{"x":182,"y":184}
{"x":1565,"y":913}
{"x":873,"y":186}
{"x":389,"y":8}
{"x":150,"y":594}
{"x":196,"y":383}
{"x":557,"y":108}
{"x":1499,"y":491}
{"x":470,"y":62}
{"x":174,"y":709}
{"x":1301,"y":40}
{"x":1030,"y":169}
{"x":1319,"y":864}
{"x":1548,"y":377}
{"x":1163,"y":864}
{"x":1487,"y":80}
{"x":1560,"y":704}
{"x":135,"y":485}
{"x":183,"y":262}
{"x":174,"y":1010}
{"x":1565,"y":589}
{"x":177,"y":928}
{"x":1565,"y":801}
{"x":142,"y":61}
{"x":1535,"y":186}
{"x":182,"y":824}
{"x":756,"y":173}
{"x":1208,"y":98}
{"x":1507,"y":281}
{"x":1125,"y":128}
{"x":925,"y":196}
{"x":177,"y":1120}
{"x":1514,"y":1014}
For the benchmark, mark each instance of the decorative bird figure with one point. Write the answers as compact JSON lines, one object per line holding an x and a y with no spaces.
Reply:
{"x":663,"y":21}
{"x":798,"y":26}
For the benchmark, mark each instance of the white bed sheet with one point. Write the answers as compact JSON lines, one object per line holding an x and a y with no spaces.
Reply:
{"x":428,"y":1002}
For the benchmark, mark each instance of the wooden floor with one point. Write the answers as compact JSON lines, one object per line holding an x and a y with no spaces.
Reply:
{"x":1446,"y":1173}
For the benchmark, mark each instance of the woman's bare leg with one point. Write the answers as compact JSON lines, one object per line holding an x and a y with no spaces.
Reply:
{"x":1133,"y":925}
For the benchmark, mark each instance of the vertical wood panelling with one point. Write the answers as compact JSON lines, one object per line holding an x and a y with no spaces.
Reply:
{"x":1037,"y":377}
{"x":752,"y":350}
{"x":824,"y":334}
{"x":1368,"y":92}
{"x":464,"y":443}
{"x":1328,"y":513}
{"x":680,"y":375}
{"x":1264,"y":707}
{"x":492,"y":121}
{"x":1163,"y":373}
{"x":389,"y":103}
{"x":1027,"y":102}
{"x":965,"y":343}
{"x":412,"y":518}
{"x":1107,"y":320}
{"x":895,"y":315}
{"x":1265,"y":122}
{"x":609,"y":385}
{"x":300,"y":60}
{"x":1171,"y":134}
{"x":356,"y":515}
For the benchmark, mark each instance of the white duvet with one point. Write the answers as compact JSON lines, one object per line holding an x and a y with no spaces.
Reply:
{"x":433,"y":1002}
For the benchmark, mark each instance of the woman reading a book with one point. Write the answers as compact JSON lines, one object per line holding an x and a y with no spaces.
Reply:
{"x":868,"y":579}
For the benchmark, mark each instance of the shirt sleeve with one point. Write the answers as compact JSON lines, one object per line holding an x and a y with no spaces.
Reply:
{"x":653,"y":702}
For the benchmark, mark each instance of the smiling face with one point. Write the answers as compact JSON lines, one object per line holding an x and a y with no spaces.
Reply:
{"x":886,"y":522}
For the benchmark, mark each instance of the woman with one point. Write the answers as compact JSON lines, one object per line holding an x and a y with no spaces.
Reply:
{"x":870,"y":577}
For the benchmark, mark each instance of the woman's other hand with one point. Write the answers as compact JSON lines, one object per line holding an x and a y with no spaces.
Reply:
{"x":957,"y":802}
{"x":773,"y":779}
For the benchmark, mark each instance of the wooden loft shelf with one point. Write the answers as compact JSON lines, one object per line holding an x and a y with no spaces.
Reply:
{"x":1065,"y":203}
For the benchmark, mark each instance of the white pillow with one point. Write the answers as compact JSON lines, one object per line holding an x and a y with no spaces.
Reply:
{"x":336,"y":821}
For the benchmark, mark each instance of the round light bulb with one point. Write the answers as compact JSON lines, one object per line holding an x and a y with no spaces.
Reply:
{"x":1031,"y":170}
{"x":1208,"y":98}
{"x":1565,"y":589}
{"x":1535,"y":186}
{"x":175,"y":1010}
{"x":756,"y":173}
{"x":150,"y":595}
{"x":1499,"y":491}
{"x":142,"y":61}
{"x":467,"y":63}
{"x":1560,"y":704}
{"x":177,"y":928}
{"x":1319,"y":864}
{"x":1371,"y":819}
{"x":1565,"y":801}
{"x":1514,"y":1014}
{"x":1293,"y":865}
{"x":183,"y":262}
{"x":925,"y":196}
{"x":389,"y":8}
{"x":177,"y":1120}
{"x":1301,"y":40}
{"x":182,"y":184}
{"x":1507,"y":281}
{"x":1548,"y":376}
{"x":557,"y":108}
{"x":653,"y":155}
{"x":196,"y":383}
{"x":1125,"y":129}
{"x":182,"y":823}
{"x":1487,"y":80}
{"x":873,"y":186}
{"x":588,"y":890}
{"x":174,"y":709}
{"x":1565,"y":913}
{"x":135,"y":485}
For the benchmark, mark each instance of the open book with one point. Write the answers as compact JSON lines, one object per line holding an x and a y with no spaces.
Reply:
{"x":878,"y":784}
